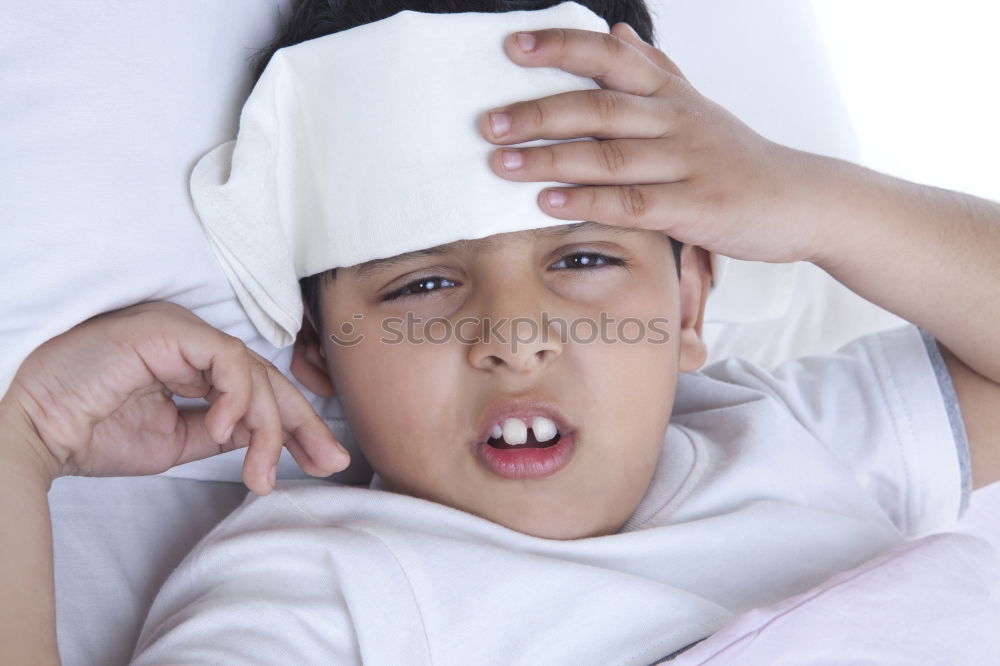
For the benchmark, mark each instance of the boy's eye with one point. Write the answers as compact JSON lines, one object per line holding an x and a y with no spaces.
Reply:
{"x":423,"y":285}
{"x":578,"y":260}
{"x":573,"y":261}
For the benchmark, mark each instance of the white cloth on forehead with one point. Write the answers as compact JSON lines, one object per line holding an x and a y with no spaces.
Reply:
{"x":364,"y":144}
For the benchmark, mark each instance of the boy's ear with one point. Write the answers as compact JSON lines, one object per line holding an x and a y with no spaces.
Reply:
{"x":309,"y":361}
{"x":695,"y":280}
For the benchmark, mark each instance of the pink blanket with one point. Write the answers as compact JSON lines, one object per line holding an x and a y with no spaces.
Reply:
{"x":935,"y":600}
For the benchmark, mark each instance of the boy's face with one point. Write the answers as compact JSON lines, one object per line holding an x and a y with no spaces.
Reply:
{"x":448,"y":335}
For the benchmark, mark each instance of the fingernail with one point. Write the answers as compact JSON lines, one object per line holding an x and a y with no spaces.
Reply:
{"x":634,"y":33}
{"x":526,"y":41}
{"x":273,"y":476}
{"x":512,"y":159}
{"x":229,"y":432}
{"x":556,"y":198}
{"x":500,"y":122}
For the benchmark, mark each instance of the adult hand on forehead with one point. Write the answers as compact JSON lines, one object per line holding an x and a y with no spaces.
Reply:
{"x":666,"y":158}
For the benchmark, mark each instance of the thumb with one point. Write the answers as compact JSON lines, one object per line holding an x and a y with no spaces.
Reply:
{"x":196,"y":441}
{"x":627,"y":33}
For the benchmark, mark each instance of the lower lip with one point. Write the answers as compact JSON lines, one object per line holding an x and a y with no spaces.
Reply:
{"x":529,"y":462}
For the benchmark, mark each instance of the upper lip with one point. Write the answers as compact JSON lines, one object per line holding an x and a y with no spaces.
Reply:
{"x":522,"y":408}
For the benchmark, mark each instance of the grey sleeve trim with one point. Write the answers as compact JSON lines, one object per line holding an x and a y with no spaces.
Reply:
{"x":954,"y":414}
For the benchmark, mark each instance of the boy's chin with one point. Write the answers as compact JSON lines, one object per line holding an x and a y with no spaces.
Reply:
{"x":563,"y":531}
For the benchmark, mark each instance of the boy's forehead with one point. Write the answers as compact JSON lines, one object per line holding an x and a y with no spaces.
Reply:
{"x":367,"y":268}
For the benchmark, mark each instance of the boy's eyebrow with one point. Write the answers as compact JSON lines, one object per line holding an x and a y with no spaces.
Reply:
{"x":366,"y":269}
{"x":583,"y":226}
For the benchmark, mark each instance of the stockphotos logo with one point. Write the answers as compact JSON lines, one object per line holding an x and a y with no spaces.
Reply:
{"x":518,"y":331}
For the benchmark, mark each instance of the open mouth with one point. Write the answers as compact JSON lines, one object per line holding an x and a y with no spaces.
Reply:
{"x":525,"y":439}
{"x":528,"y":458}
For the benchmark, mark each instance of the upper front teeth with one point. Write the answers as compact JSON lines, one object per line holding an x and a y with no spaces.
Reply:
{"x":544,"y":429}
{"x":515,"y":431}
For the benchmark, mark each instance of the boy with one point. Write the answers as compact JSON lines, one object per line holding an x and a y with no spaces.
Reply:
{"x":756,"y":493}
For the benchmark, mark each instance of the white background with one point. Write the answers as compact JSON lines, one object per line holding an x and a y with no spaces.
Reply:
{"x":921,"y":84}
{"x":906,"y":87}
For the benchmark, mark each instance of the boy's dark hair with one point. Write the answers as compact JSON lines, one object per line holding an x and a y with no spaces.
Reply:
{"x":317,"y":18}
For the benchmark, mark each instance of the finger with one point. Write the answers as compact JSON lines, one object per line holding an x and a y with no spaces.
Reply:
{"x":317,"y":455}
{"x":610,"y":61}
{"x":663,"y":208}
{"x":309,"y":440}
{"x":231,"y":376}
{"x":617,"y":161}
{"x":197,"y":443}
{"x":603,"y":114}
{"x":626,"y":33}
{"x":196,"y":360}
{"x":266,"y":437}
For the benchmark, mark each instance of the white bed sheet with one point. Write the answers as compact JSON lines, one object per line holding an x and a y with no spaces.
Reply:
{"x":117,"y":539}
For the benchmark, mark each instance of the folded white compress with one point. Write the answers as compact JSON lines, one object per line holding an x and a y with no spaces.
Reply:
{"x":364,"y":144}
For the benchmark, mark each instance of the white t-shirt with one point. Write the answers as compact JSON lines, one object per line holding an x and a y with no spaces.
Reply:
{"x":768,"y":484}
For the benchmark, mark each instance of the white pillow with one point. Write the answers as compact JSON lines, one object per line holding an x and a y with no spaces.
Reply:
{"x":109,"y":105}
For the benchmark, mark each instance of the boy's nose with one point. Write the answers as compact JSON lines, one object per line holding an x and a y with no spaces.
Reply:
{"x":521,"y":344}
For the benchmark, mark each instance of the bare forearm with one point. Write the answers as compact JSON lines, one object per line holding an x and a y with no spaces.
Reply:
{"x":27,"y":589}
{"x":929,"y":255}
